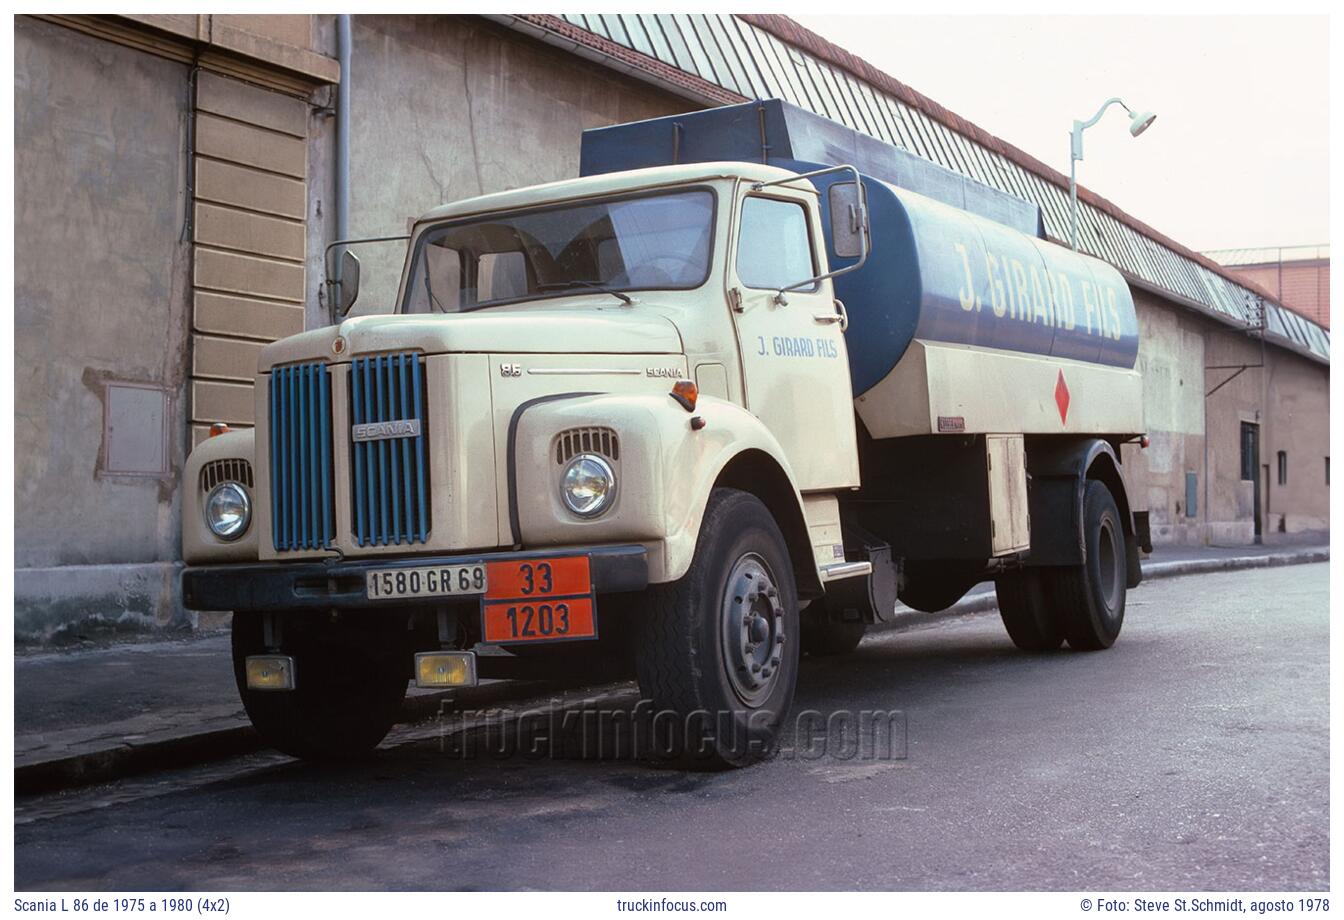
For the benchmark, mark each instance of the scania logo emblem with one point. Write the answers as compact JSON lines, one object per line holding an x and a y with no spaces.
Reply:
{"x":338,"y":346}
{"x":385,"y":431}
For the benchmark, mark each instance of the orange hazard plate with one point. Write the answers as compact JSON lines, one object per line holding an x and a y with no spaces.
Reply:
{"x":539,"y":600}
{"x":539,"y":621}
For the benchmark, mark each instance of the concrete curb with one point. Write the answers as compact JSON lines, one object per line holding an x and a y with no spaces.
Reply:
{"x":101,"y":763}
{"x":187,"y":747}
{"x":984,"y":600}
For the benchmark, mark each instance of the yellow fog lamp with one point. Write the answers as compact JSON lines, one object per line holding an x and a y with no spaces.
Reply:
{"x":270,"y":672}
{"x":438,"y":670}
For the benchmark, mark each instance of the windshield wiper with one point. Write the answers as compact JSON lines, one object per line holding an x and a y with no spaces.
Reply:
{"x":583,"y":282}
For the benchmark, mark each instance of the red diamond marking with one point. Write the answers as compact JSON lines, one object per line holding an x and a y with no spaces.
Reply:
{"x":1062,"y":399}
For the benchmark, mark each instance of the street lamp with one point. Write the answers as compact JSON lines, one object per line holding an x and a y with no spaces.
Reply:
{"x":1138,"y":123}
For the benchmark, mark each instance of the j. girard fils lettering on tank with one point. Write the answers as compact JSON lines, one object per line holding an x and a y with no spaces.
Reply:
{"x":1032,"y":294}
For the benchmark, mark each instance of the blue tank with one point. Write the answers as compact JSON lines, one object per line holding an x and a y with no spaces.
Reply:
{"x":945,"y":275}
{"x":951,"y":261}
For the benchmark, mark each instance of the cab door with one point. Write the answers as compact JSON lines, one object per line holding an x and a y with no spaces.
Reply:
{"x":795,"y":370}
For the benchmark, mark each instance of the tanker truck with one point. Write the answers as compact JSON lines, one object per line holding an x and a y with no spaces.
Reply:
{"x":719,"y":402}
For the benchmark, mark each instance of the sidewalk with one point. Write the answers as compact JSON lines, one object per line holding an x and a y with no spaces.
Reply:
{"x":84,"y":716}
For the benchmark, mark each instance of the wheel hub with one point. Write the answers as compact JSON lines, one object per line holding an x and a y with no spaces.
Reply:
{"x":1110,"y":564}
{"x":753,"y":629}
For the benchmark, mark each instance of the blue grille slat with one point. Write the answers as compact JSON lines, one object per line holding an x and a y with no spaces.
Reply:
{"x":422,"y":477}
{"x":357,"y":456}
{"x":281,"y":468}
{"x":296,"y":499}
{"x":275,"y":458}
{"x":301,"y":457}
{"x":394,"y":450}
{"x":366,"y":375}
{"x":314,"y":460}
{"x":381,"y":449}
{"x":324,"y":441}
{"x":300,"y":518}
{"x":405,"y":449}
{"x":391,"y":490}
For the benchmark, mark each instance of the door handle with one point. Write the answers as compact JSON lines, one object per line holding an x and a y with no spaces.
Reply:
{"x":840,"y":316}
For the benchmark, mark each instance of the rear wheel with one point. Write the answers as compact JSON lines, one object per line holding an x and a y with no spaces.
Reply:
{"x":1026,"y":611}
{"x":349,"y":686}
{"x":718,"y":652}
{"x":1089,"y":599}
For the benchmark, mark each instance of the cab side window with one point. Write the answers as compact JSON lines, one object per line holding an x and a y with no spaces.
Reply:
{"x":774,"y":248}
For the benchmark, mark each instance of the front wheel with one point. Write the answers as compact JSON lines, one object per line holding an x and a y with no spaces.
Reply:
{"x":349,"y":686}
{"x":717,"y":655}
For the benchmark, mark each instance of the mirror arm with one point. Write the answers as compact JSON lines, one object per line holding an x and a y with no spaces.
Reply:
{"x":326,"y":253}
{"x":862,"y":215}
{"x":333,"y":278}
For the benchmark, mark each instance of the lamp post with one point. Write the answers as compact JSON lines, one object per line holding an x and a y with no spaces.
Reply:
{"x":1138,"y":123}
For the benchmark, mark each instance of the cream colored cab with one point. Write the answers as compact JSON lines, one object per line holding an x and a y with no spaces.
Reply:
{"x":505,"y":385}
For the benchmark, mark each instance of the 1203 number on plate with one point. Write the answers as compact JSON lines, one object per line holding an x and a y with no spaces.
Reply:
{"x":539,"y":621}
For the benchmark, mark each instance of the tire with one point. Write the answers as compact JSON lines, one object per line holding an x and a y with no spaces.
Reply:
{"x":823,"y":637}
{"x":717,"y":652}
{"x":1026,"y":611}
{"x":1089,"y":599}
{"x":349,"y":686}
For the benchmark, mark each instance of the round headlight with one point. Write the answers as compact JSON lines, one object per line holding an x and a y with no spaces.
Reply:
{"x":588,"y":485}
{"x":228,"y":511}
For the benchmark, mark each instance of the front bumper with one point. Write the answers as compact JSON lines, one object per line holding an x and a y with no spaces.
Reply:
{"x":340,"y":583}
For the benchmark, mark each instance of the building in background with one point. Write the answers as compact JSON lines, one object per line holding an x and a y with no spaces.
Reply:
{"x":176,"y":185}
{"x":1297,"y":276}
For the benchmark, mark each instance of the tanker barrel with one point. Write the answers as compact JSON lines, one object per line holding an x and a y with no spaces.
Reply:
{"x":952,"y":260}
{"x":941,"y":274}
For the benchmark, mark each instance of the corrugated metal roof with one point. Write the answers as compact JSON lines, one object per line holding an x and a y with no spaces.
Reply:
{"x":734,"y":55}
{"x":1269,"y":255}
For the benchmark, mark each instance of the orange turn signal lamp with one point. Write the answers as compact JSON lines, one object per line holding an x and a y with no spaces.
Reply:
{"x":219,"y":428}
{"x":685,"y":392}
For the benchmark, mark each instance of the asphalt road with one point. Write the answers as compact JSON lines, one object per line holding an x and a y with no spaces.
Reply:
{"x":1192,"y":756}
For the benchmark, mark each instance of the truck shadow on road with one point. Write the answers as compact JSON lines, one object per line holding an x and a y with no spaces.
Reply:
{"x":856,"y":707}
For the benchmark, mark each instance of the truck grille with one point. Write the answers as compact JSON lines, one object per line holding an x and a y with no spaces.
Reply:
{"x":391,"y":493}
{"x":301,"y":472}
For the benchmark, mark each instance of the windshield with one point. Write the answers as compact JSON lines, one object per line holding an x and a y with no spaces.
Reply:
{"x":659,"y":241}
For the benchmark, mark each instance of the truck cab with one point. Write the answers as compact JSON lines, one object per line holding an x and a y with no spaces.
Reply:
{"x":613,"y":421}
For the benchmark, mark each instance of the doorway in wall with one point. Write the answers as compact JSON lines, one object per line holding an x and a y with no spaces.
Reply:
{"x":1250,"y":466}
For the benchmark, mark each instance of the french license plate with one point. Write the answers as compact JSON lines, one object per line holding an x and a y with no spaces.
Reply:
{"x":539,"y":600}
{"x":427,"y":581}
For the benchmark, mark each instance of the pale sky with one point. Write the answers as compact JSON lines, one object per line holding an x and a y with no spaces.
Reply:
{"x":1238,"y":155}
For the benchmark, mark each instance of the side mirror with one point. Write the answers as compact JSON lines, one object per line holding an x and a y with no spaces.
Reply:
{"x":849,"y":220}
{"x":345,"y":284}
